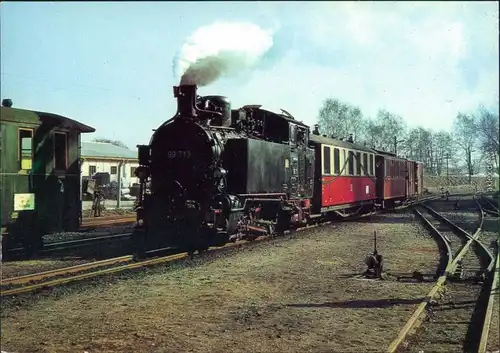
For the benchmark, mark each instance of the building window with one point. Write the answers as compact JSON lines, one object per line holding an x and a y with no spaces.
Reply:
{"x":358,"y":163}
{"x":132,"y":171}
{"x":92,"y":170}
{"x":25,"y":149}
{"x":336,"y":161}
{"x":60,"y":151}
{"x":351,"y":162}
{"x":327,"y":168}
{"x":365,"y":164}
{"x":114,"y":170}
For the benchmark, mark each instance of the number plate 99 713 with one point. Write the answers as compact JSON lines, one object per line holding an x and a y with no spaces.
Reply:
{"x":179,"y":154}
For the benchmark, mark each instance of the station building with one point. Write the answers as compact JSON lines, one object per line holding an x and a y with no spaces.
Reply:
{"x":107,"y":158}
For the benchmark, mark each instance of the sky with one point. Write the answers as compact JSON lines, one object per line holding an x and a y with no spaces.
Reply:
{"x":109,"y":64}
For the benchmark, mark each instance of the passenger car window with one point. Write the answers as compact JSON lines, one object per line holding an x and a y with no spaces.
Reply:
{"x":365,"y":164}
{"x":336,"y":161}
{"x":358,"y":163}
{"x":351,"y":163}
{"x":326,"y":160}
{"x":25,"y":149}
{"x":372,"y":166}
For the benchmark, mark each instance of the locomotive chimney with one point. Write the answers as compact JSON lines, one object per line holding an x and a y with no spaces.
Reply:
{"x":186,"y":100}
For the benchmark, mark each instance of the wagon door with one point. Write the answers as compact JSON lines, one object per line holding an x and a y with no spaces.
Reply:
{"x":380,"y":175}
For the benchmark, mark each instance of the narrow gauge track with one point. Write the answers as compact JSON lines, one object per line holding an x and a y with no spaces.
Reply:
{"x":457,"y":318}
{"x":489,"y":205}
{"x":86,"y":226}
{"x":99,"y":222}
{"x":33,"y":282}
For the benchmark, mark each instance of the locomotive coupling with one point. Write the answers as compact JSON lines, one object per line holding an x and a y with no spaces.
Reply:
{"x":374,"y":262}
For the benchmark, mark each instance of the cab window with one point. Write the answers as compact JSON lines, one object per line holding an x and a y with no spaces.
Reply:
{"x":25,"y":149}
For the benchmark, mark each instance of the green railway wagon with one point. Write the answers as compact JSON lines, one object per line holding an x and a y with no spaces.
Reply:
{"x":40,"y":172}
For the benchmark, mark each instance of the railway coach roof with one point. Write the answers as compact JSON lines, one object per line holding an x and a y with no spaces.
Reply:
{"x":34,"y":117}
{"x":343,"y":144}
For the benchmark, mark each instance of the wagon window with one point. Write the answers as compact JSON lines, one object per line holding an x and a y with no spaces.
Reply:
{"x":345,"y":162}
{"x":326,"y":160}
{"x":336,"y":161}
{"x":60,"y":151}
{"x":372,"y":167}
{"x":351,"y":163}
{"x":25,"y":151}
{"x":365,"y":164}
{"x":358,"y":163}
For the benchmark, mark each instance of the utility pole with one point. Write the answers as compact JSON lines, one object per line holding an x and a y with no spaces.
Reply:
{"x":119,"y":197}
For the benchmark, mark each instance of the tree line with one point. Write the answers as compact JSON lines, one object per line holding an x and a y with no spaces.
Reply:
{"x":472,"y":144}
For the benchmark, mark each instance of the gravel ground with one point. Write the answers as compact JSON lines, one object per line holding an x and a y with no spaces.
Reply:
{"x":87,"y":214}
{"x":102,"y":231}
{"x":295,"y":294}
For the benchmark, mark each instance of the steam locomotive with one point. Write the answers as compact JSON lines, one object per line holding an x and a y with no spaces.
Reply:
{"x":217,"y":175}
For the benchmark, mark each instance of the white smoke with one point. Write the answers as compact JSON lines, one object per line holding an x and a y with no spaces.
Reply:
{"x":221,"y":49}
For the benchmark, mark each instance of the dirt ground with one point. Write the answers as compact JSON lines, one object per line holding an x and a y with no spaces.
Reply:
{"x":290,"y":295}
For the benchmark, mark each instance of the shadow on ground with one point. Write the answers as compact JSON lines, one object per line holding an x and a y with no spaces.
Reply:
{"x":359,"y":304}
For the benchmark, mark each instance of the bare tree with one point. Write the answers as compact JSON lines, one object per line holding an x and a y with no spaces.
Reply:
{"x":338,"y":120}
{"x":465,"y":134}
{"x":488,"y":130}
{"x":382,"y":132}
{"x":444,"y":152}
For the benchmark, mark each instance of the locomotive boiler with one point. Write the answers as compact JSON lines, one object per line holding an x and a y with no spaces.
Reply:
{"x":218,"y":174}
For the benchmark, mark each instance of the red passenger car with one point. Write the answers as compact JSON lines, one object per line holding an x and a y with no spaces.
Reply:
{"x":344,"y":175}
{"x":391,"y":178}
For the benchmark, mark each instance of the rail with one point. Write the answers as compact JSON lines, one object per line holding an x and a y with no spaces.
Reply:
{"x":417,"y":317}
{"x":494,"y":290}
{"x":114,"y":261}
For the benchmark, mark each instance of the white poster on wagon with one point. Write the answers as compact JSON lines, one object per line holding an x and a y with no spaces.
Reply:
{"x":24,"y":202}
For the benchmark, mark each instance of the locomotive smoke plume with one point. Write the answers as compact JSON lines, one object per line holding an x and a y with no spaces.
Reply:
{"x":220,"y":49}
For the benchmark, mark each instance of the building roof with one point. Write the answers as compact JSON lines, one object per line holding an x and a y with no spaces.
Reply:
{"x":34,"y":117}
{"x":106,"y":150}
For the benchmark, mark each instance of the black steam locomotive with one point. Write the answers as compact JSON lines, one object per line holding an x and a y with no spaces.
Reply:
{"x":218,"y":174}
